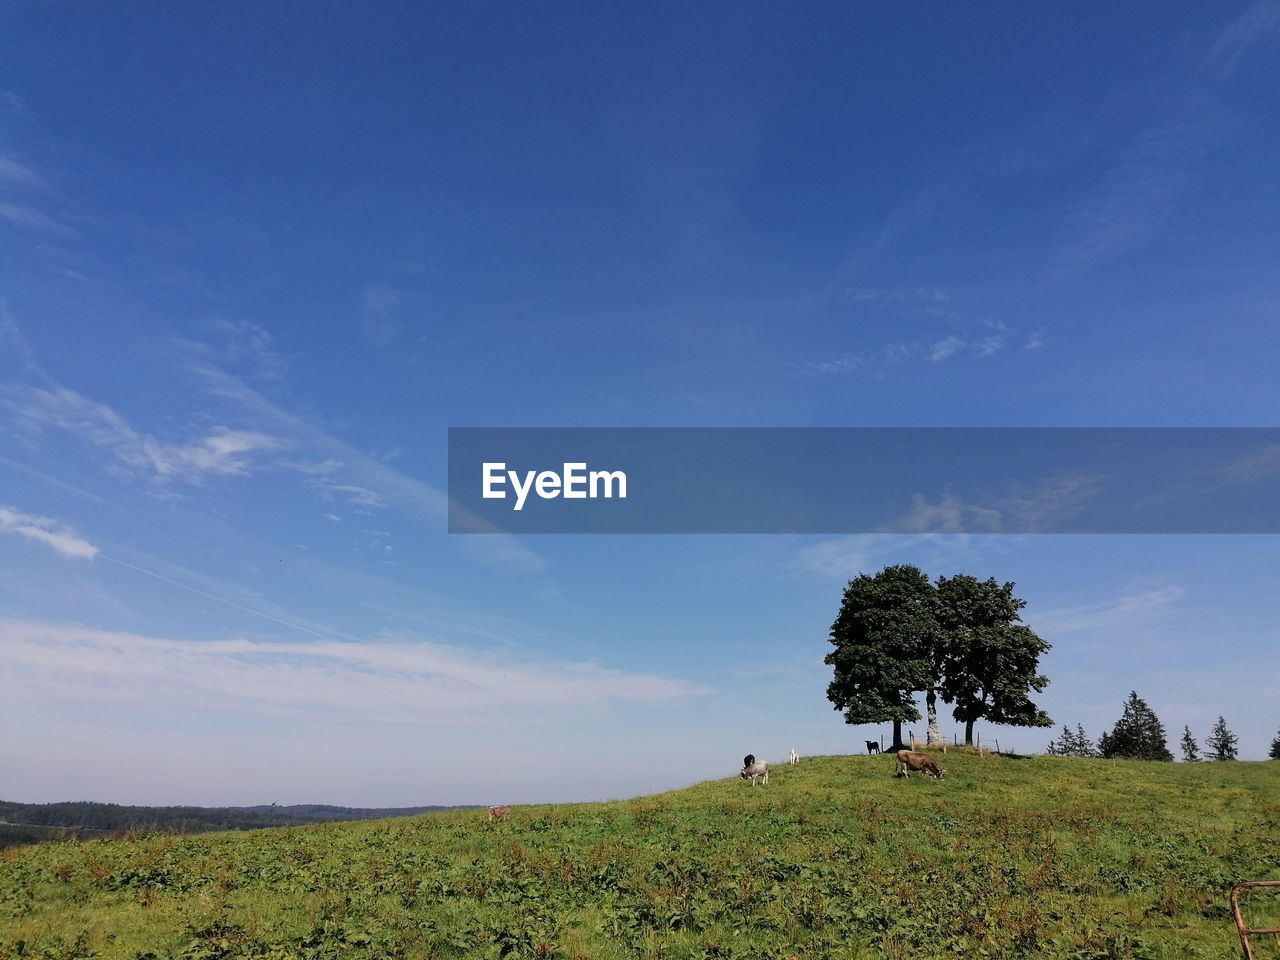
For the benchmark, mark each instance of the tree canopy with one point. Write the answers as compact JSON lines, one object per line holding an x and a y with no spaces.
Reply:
{"x":884,"y":638}
{"x":898,"y":634}
{"x":991,"y":659}
{"x":1137,"y":735}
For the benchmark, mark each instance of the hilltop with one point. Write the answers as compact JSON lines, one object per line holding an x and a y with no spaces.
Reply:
{"x":1046,"y":857}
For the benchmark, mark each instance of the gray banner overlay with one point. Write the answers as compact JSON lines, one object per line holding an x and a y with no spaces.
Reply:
{"x":865,"y":480}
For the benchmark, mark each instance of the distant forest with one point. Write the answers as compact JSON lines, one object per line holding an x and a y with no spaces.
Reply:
{"x":22,"y":823}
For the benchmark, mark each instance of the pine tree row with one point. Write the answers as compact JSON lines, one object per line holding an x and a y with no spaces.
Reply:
{"x":1139,"y":735}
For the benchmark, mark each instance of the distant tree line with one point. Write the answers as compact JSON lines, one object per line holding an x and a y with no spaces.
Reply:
{"x":1072,"y":744}
{"x":1139,"y":735}
{"x":32,"y":822}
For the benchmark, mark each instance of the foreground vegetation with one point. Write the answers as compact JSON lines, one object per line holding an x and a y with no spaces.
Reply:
{"x":1045,"y":857}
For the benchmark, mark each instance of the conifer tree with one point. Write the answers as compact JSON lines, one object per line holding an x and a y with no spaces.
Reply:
{"x":1072,"y":744}
{"x":1222,"y":742}
{"x":1137,"y":735}
{"x":1190,"y":749}
{"x":1059,"y":747}
{"x":1275,"y":748}
{"x":1083,"y":745}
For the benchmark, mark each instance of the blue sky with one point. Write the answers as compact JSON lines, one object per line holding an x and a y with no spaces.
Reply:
{"x":256,"y":259}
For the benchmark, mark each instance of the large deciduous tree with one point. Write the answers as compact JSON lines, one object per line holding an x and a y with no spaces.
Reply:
{"x":884,"y":636}
{"x":991,"y":659}
{"x":1137,"y":735}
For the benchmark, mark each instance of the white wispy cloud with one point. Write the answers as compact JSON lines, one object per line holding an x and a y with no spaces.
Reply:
{"x":840,"y":558}
{"x":1150,"y":174}
{"x":34,"y":220}
{"x":395,"y":679}
{"x":944,"y":348}
{"x":1256,"y":26}
{"x":913,"y":210}
{"x":949,"y":514}
{"x":1136,"y":195}
{"x":18,"y":174}
{"x":380,"y":305}
{"x":1124,"y":610}
{"x":52,"y":533}
{"x":988,"y":346}
{"x":223,"y":451}
{"x":943,"y":330}
{"x":330,"y":490}
{"x":841,"y":364}
{"x":16,"y":347}
{"x":241,"y":345}
{"x":1036,"y":507}
{"x":928,"y":295}
{"x":336,"y":471}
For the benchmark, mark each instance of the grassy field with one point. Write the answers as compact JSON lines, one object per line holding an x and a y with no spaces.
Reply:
{"x":1037,"y":857}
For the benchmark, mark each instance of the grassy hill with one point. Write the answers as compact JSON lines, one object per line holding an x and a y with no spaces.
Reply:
{"x":1043,"y":857}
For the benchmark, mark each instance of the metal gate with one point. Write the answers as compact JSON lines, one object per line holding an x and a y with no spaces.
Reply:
{"x":1247,"y":932}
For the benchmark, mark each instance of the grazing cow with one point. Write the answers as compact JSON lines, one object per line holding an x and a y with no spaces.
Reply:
{"x":752,"y":768}
{"x":909,"y":760}
{"x":499,"y":813}
{"x":872,"y":747}
{"x":795,"y":757}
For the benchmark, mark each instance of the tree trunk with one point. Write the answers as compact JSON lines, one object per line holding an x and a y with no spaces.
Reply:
{"x":933,"y":735}
{"x":897,"y":737}
{"x":968,"y":733}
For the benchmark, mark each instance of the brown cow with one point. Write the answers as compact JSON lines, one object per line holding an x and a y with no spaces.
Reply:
{"x":909,"y":760}
{"x":499,"y":813}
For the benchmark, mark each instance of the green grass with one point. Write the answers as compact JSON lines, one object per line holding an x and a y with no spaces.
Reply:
{"x":1038,"y":857}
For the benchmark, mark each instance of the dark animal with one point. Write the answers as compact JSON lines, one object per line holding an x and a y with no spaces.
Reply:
{"x":909,"y":760}
{"x":872,"y":747}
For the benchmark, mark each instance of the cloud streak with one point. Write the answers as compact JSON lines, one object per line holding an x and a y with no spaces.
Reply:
{"x":1148,"y":179}
{"x":1125,"y":610}
{"x":343,"y":474}
{"x":52,"y":533}
{"x":13,"y":172}
{"x":34,"y":220}
{"x":222,"y":452}
{"x":400,"y":679}
{"x":1023,"y":508}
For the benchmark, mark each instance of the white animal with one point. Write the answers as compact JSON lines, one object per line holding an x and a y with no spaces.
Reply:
{"x":756,"y":768}
{"x":795,"y":757}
